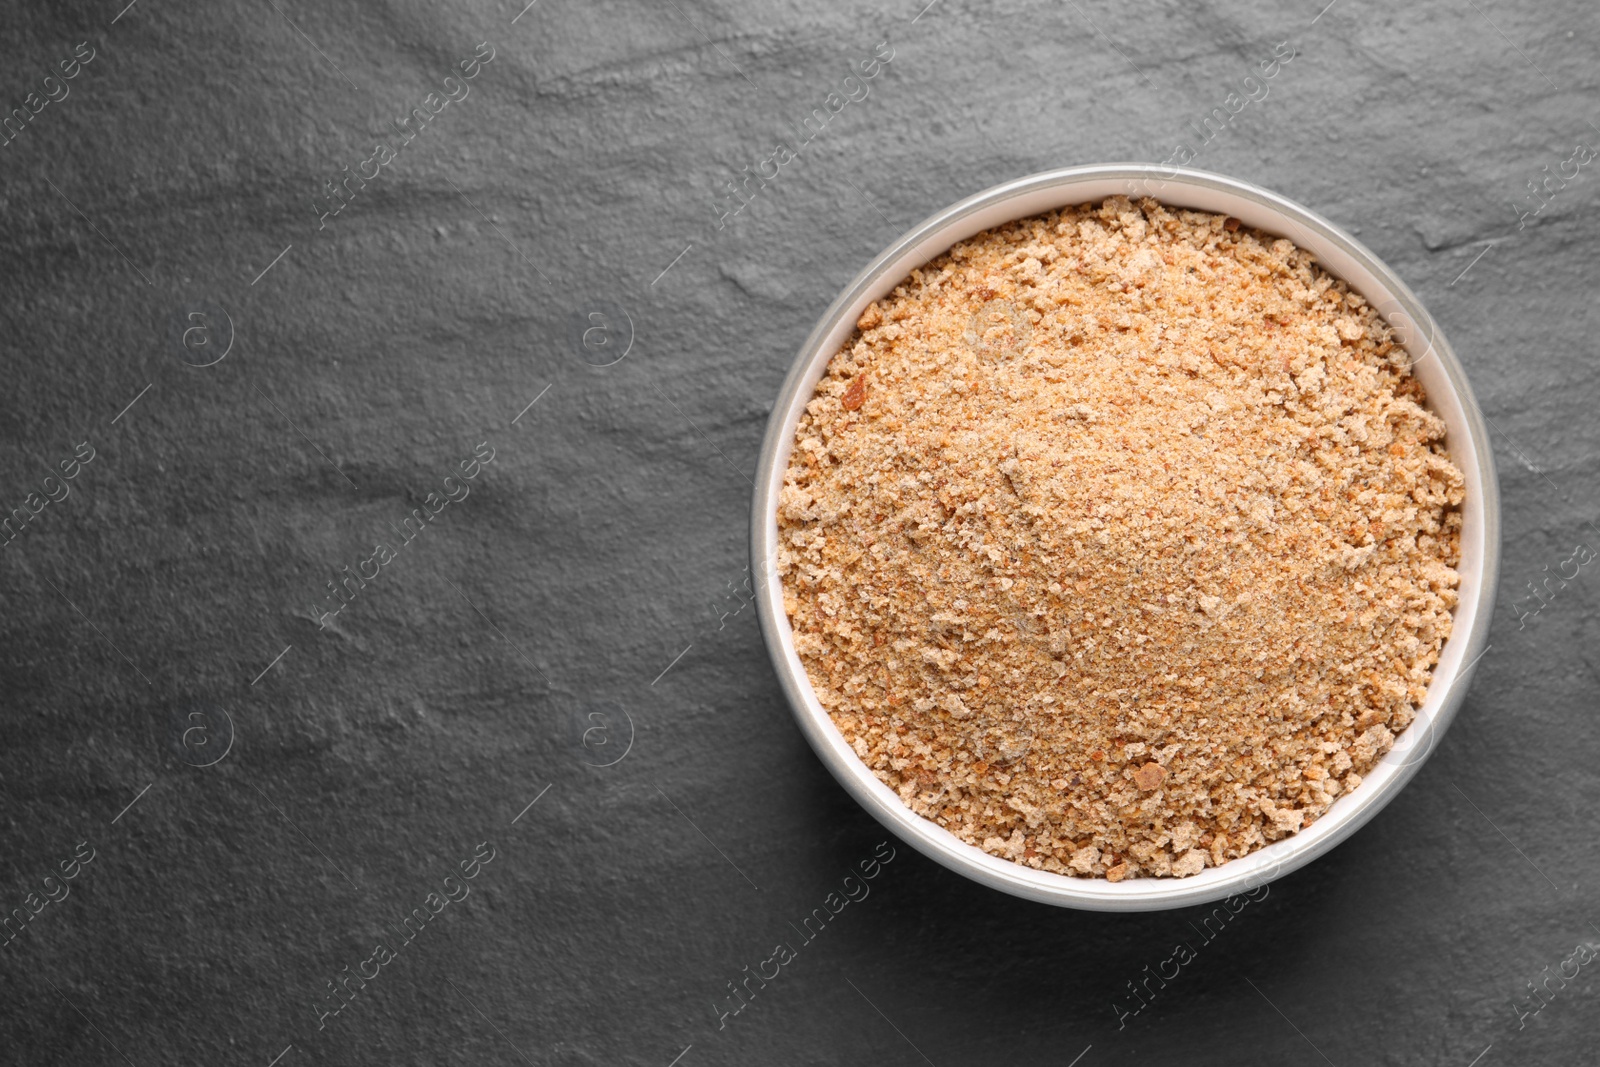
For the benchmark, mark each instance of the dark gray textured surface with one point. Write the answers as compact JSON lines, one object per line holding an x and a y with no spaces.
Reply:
{"x":607,"y":536}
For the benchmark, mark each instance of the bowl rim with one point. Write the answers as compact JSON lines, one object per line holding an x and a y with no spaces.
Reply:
{"x":934,"y":235}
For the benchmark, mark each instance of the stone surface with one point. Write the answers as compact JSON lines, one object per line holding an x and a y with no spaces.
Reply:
{"x":522,"y":640}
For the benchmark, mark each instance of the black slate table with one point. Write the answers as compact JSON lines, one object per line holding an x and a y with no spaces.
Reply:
{"x":379,"y":688}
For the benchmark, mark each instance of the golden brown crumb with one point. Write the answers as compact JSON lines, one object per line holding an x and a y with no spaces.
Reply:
{"x":1149,"y":776}
{"x":1135,"y":552}
{"x":856,"y":395}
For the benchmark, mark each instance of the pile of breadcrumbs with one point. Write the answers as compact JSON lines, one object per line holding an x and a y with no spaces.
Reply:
{"x":1119,"y":541}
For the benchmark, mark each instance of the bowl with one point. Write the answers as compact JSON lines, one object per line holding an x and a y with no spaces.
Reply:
{"x":1449,"y":396}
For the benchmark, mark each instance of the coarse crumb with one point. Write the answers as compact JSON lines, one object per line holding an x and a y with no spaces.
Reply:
{"x":1120,"y":541}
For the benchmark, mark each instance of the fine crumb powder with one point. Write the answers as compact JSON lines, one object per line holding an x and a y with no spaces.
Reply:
{"x":1119,"y":541}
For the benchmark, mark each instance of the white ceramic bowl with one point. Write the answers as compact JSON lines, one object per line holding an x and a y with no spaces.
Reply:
{"x":1448,"y":395}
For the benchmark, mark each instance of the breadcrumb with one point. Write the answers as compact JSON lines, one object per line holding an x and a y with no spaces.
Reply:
{"x":1120,"y":540}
